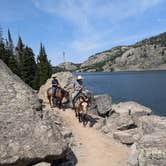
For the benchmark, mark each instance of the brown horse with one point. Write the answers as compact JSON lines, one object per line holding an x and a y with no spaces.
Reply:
{"x":59,"y":96}
{"x":81,"y":108}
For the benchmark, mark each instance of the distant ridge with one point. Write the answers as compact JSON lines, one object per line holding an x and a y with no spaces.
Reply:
{"x":148,"y":54}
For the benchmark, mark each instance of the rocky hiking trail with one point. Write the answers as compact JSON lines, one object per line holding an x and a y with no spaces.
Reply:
{"x":92,"y":147}
{"x":131,"y":135}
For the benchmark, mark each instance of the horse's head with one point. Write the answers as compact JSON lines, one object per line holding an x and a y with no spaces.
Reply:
{"x":84,"y":102}
{"x":88,"y":97}
{"x":83,"y":98}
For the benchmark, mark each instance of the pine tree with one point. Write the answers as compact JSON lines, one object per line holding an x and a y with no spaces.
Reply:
{"x":44,"y":69}
{"x":10,"y":42}
{"x":1,"y":36}
{"x":19,"y":55}
{"x":29,"y":66}
{"x":6,"y":54}
{"x":22,"y":61}
{"x":2,"y":52}
{"x":12,"y":63}
{"x":2,"y":48}
{"x":48,"y":63}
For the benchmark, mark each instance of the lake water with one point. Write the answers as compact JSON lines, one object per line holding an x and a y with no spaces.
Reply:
{"x":147,"y":88}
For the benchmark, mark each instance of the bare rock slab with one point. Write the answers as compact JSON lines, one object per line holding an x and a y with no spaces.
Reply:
{"x":131,"y":108}
{"x":152,"y":149}
{"x":104,"y":104}
{"x":26,"y":137}
{"x":133,"y":156}
{"x":151,"y":124}
{"x":128,"y":136}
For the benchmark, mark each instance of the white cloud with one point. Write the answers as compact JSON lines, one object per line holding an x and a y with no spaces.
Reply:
{"x":74,"y":11}
{"x":87,"y":14}
{"x":120,"y":10}
{"x":84,"y":45}
{"x":82,"y":12}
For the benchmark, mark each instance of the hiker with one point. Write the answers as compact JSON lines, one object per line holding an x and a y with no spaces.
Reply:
{"x":57,"y":94}
{"x":55,"y":85}
{"x":78,"y":88}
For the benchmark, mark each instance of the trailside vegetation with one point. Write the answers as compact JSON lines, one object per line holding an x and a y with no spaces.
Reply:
{"x":21,"y":60}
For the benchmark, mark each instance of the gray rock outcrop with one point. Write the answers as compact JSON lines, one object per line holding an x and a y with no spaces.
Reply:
{"x":104,"y":104}
{"x":124,"y":116}
{"x":152,"y":124}
{"x":103,"y":56}
{"x":101,"y":105}
{"x":68,"y":66}
{"x":133,"y":124}
{"x":149,"y":150}
{"x":128,"y":137}
{"x":152,"y":146}
{"x":131,"y":108}
{"x":152,"y":149}
{"x":133,"y":156}
{"x":141,"y":58}
{"x":28,"y":134}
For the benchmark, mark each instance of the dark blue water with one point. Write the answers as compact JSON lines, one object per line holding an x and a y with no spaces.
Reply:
{"x":147,"y":88}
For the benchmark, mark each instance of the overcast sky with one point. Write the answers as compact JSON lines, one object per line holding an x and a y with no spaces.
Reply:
{"x":81,"y":27}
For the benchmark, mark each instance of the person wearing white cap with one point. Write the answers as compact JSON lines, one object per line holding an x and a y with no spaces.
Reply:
{"x":78,"y":87}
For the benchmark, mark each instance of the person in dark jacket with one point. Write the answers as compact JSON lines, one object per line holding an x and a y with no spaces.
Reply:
{"x":55,"y":85}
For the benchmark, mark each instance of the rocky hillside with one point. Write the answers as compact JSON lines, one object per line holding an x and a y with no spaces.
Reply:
{"x":148,"y":54}
{"x":69,"y":66}
{"x":66,"y":66}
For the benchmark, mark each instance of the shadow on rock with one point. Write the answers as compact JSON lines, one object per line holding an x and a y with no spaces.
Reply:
{"x":92,"y":121}
{"x":69,"y":160}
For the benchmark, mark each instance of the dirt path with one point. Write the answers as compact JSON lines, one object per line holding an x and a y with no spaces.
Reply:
{"x":92,"y":147}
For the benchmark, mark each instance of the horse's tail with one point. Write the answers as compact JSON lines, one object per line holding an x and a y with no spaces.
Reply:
{"x":63,"y":91}
{"x":49,"y":95}
{"x":48,"y":92}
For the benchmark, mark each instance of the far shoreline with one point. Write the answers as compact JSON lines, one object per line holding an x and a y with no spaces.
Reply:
{"x":120,"y":71}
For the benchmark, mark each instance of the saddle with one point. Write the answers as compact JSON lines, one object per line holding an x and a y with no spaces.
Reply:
{"x":77,"y":97}
{"x":56,"y":92}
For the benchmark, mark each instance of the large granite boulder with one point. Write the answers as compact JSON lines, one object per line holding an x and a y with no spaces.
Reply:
{"x":133,"y":156}
{"x":116,"y":122}
{"x":151,"y":124}
{"x":101,"y":105}
{"x":152,"y":149}
{"x":131,"y":108}
{"x":65,"y":79}
{"x":92,"y":109}
{"x":28,"y":134}
{"x":128,"y":137}
{"x":104,"y":104}
{"x":123,"y":124}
